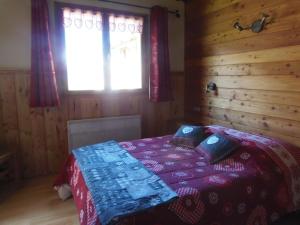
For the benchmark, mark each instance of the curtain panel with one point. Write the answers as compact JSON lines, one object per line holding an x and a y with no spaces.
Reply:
{"x":43,"y":85}
{"x":160,"y":78}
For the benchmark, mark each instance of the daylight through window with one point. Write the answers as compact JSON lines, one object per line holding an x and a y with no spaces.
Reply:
{"x":95,"y":63}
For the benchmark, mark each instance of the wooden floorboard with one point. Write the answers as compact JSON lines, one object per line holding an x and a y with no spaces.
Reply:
{"x":37,"y":204}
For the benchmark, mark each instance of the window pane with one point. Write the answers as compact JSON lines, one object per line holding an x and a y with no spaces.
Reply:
{"x":83,"y":35}
{"x":126,"y":52}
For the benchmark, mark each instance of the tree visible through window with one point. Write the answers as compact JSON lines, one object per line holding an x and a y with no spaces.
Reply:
{"x":103,"y":50}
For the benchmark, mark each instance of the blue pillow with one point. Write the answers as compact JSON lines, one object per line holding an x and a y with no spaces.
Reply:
{"x":188,"y":136}
{"x":217,"y":147}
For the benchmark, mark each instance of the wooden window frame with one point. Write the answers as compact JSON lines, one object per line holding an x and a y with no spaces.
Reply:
{"x":59,"y":6}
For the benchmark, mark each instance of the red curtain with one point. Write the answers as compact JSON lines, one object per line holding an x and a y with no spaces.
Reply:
{"x":43,"y":87}
{"x":160,"y":79}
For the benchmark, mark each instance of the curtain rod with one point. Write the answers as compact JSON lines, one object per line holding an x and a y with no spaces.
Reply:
{"x":176,"y":12}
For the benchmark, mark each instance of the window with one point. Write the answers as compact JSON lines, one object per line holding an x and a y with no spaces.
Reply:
{"x":126,"y":52}
{"x":84,"y":55}
{"x":103,"y":50}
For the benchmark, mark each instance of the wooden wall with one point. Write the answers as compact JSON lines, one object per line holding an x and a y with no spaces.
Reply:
{"x":258,"y":75}
{"x":39,"y":136}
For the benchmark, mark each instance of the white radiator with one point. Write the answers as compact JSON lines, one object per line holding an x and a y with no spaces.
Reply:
{"x":93,"y":131}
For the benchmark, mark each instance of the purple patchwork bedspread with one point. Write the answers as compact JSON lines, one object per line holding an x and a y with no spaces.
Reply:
{"x":256,"y":185}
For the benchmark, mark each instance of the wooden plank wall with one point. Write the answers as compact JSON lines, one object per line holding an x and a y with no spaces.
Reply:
{"x":258,"y":75}
{"x":39,"y":136}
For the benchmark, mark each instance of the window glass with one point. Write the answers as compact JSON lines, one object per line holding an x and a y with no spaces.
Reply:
{"x":125,"y":52}
{"x":84,"y":51}
{"x":86,"y":60}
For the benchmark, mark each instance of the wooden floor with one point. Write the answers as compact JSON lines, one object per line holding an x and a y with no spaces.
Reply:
{"x":37,"y":204}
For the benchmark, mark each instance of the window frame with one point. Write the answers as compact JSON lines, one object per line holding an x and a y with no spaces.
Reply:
{"x":145,"y":46}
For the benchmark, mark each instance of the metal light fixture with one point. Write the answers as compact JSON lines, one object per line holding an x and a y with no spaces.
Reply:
{"x":257,"y":26}
{"x":212,"y":87}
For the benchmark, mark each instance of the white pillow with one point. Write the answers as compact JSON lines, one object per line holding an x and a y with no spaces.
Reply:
{"x":64,"y":191}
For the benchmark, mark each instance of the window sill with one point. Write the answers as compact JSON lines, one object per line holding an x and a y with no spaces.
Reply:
{"x":105,"y":92}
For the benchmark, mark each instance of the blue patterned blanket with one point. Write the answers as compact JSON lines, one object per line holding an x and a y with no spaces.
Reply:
{"x":120,"y":184}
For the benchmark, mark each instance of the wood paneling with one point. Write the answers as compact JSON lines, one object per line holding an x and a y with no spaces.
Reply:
{"x":290,"y":53}
{"x":244,"y":11}
{"x":258,"y":75}
{"x":271,"y":83}
{"x":39,"y":136}
{"x":277,"y":68}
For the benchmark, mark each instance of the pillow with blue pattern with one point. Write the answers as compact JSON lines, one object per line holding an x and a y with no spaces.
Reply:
{"x":188,"y":136}
{"x":217,"y":147}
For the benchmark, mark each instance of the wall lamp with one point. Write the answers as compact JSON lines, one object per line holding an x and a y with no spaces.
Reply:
{"x":257,"y":26}
{"x":211,"y":87}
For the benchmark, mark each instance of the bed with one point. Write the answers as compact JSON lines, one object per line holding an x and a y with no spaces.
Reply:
{"x":256,"y":185}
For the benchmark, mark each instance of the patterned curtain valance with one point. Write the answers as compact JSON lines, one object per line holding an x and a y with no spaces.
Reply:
{"x":78,"y":19}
